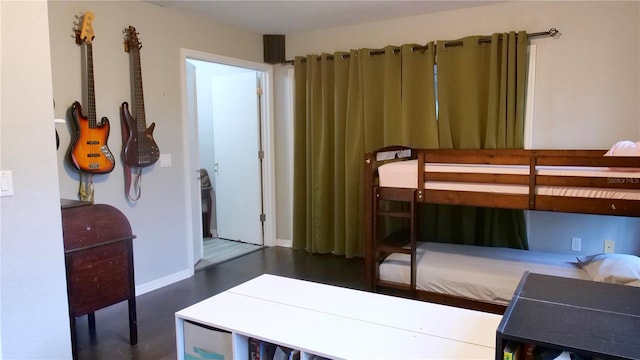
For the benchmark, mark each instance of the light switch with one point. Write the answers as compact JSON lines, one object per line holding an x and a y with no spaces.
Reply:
{"x":165,"y":160}
{"x":6,"y":183}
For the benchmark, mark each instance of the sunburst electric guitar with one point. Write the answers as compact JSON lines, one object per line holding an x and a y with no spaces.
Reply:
{"x":89,"y":152}
{"x":139,"y":147}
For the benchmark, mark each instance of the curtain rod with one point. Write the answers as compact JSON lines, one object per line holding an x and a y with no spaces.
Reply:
{"x":553,"y":32}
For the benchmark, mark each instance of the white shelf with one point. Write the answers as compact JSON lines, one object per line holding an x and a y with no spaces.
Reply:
{"x":340,"y":323}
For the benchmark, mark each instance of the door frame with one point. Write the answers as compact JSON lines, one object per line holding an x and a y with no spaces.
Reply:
{"x":192,"y":183}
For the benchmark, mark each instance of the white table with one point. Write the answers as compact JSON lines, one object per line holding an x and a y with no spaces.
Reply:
{"x":340,"y":323}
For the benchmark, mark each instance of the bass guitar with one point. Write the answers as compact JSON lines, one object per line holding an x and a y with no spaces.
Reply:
{"x":139,"y":147}
{"x":89,"y":152}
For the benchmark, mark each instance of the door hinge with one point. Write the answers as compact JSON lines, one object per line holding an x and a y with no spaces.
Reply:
{"x":259,"y":91}
{"x":261,"y":154}
{"x":263,"y":217}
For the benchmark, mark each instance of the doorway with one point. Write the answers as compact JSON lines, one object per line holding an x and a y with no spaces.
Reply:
{"x":228,"y":135}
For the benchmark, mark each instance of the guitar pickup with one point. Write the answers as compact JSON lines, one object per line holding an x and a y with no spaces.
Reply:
{"x":93,"y":142}
{"x":93,"y":155}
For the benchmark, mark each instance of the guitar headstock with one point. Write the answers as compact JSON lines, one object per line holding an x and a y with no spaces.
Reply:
{"x":85,"y":33}
{"x":131,"y":39}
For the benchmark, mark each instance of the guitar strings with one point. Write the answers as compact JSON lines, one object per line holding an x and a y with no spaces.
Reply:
{"x":91,"y":99}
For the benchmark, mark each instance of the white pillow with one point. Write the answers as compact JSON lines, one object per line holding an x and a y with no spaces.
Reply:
{"x":612,"y":268}
{"x":624,"y":148}
{"x":634,"y":283}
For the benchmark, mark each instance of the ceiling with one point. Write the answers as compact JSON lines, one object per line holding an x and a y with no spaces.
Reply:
{"x":283,"y":17}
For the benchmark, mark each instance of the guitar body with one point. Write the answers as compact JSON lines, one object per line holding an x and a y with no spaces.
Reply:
{"x":89,"y":152}
{"x":139,"y":148}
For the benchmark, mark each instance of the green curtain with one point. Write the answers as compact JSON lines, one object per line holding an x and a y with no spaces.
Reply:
{"x":347,"y":104}
{"x":481,"y":99}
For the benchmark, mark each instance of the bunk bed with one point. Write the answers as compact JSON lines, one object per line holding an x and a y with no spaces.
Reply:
{"x":574,"y":181}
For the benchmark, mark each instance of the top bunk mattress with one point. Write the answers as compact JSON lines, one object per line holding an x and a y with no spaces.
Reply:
{"x":482,"y":273}
{"x":404,"y":174}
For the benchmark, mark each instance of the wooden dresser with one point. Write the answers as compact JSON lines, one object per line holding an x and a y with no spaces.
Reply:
{"x":99,"y":262}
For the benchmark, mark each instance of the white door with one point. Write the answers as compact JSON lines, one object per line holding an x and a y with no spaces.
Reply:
{"x":237,"y":170}
{"x":194,"y":174}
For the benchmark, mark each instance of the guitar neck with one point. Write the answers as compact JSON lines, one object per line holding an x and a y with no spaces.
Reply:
{"x":138,"y":96}
{"x":91,"y":97}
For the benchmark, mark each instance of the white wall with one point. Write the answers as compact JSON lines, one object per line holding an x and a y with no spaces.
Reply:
{"x":35,"y":317}
{"x":205,"y":116}
{"x":284,"y":153}
{"x":205,"y":128}
{"x":587,"y":85}
{"x":159,"y":218}
{"x":40,"y":63}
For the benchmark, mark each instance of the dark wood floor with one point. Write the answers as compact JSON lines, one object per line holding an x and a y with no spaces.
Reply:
{"x":156,"y":324}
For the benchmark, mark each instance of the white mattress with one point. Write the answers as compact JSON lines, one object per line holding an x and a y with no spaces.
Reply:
{"x":403,"y":174}
{"x":482,"y":273}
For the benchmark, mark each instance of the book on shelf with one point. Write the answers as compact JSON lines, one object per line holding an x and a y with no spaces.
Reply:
{"x":512,"y":351}
{"x":317,"y":357}
{"x":285,"y":353}
{"x":254,"y":349}
{"x":527,"y":351}
{"x":206,"y":342}
{"x":264,"y":350}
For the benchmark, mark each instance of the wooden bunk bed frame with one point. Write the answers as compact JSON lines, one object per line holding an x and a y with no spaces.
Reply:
{"x":377,"y":249}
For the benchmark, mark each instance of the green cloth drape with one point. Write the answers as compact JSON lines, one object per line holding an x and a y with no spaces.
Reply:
{"x":481,"y":99}
{"x":481,"y":92}
{"x":346,"y":106}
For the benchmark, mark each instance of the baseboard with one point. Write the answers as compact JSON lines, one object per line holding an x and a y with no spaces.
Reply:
{"x":162,"y":282}
{"x":284,"y":243}
{"x":185,"y":274}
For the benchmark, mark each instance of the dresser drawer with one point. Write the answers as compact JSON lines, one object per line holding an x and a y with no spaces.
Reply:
{"x":98,"y":277}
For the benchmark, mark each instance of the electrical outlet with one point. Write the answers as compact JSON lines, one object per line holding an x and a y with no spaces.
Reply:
{"x":609,"y":246}
{"x":576,"y":244}
{"x":6,"y":183}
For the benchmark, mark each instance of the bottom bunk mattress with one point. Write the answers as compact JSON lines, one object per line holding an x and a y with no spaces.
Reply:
{"x":476,"y":272}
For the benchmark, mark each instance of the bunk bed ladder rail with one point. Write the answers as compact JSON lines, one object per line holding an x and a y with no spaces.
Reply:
{"x":371,"y":163}
{"x":391,"y":244}
{"x":421,"y":160}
